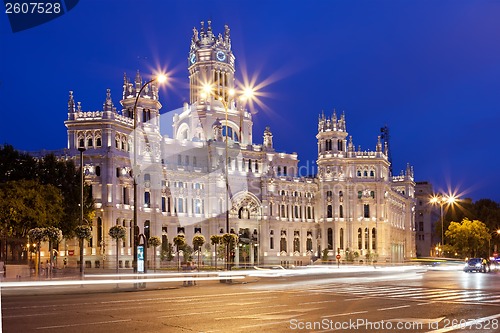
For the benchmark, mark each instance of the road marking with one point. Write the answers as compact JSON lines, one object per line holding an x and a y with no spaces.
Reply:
{"x":355,"y":299}
{"x":305,"y":303}
{"x":394,"y":307}
{"x":84,"y":324}
{"x":344,"y":314}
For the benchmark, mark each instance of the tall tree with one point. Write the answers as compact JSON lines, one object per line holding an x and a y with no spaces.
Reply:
{"x":27,"y":204}
{"x":468,"y":238}
{"x":49,"y":170}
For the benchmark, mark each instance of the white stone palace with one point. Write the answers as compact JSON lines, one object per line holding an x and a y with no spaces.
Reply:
{"x":353,"y":205}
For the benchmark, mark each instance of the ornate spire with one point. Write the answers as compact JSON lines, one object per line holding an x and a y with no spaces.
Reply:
{"x":350,"y":147}
{"x":227,"y":39}
{"x":71,"y":102}
{"x":108,"y":104}
{"x":268,"y":138}
{"x":138,"y":81}
{"x":379,"y":144}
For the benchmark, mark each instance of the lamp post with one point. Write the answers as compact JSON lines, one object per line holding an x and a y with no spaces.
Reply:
{"x":441,"y":201}
{"x":207,"y":90}
{"x":81,"y":150}
{"x":160,"y":78}
{"x":489,"y":241}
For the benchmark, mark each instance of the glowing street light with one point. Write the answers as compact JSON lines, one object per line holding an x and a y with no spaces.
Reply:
{"x":441,"y":200}
{"x":160,"y":79}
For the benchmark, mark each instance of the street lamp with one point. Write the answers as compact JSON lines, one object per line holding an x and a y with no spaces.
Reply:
{"x":225,"y":100}
{"x":81,"y":150}
{"x":441,"y":200}
{"x":489,"y":241}
{"x":160,"y":79}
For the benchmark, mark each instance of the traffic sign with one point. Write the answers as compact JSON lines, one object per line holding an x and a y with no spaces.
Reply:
{"x":338,"y":257}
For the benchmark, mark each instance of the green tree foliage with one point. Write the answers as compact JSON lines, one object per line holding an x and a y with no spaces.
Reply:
{"x":179,"y":242}
{"x":27,"y":204}
{"x":468,"y":238}
{"x":154,"y":242}
{"x":117,"y":232}
{"x":216,"y":240}
{"x":61,"y":174}
{"x":198,"y":241}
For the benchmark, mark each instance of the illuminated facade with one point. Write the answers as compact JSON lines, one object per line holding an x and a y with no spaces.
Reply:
{"x":352,"y":206}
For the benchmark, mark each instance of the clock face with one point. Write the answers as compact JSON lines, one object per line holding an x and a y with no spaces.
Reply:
{"x":221,"y":56}
{"x":192,"y":59}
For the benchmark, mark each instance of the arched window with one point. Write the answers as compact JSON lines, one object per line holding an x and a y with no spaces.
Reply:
{"x":341,"y":196}
{"x":283,"y":244}
{"x":359,"y":173}
{"x":341,"y":237}
{"x":328,"y":145}
{"x":341,"y":211}
{"x":372,"y":173}
{"x":147,"y":199}
{"x":365,"y":173}
{"x":366,"y":211}
{"x":147,"y":229}
{"x":309,"y":244}
{"x":296,"y":244}
{"x":309,"y":211}
{"x":329,"y":211}
{"x":180,"y":205}
{"x":340,"y":145}
{"x":330,"y":238}
{"x":360,"y":239}
{"x":374,"y":239}
{"x":366,"y":238}
{"x":147,"y":177}
{"x":231,"y":134}
{"x":98,"y":142}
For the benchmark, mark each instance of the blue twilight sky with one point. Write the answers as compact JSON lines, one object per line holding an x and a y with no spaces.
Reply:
{"x":429,"y":70}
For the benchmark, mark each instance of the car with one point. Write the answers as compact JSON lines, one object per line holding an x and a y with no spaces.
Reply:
{"x":474,"y":265}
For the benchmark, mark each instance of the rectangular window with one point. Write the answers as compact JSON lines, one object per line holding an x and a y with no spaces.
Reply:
{"x":271,"y":243}
{"x":366,"y":211}
{"x":163,"y":204}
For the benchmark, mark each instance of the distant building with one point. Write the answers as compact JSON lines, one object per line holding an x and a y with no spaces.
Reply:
{"x":353,"y":205}
{"x":426,"y":217}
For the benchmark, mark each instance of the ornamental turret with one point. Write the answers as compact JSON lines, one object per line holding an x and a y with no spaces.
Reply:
{"x":211,"y":62}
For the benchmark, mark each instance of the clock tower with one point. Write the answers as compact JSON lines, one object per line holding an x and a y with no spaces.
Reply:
{"x":210,"y":61}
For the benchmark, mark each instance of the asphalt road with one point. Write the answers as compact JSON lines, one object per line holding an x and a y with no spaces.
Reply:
{"x":378,"y":300}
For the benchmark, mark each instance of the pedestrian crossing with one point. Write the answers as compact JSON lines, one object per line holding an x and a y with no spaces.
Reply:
{"x":412,"y":293}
